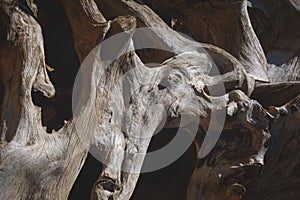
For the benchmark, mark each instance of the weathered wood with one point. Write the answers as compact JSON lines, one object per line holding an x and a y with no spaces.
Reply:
{"x":280,"y":175}
{"x":239,"y":153}
{"x":225,"y":24}
{"x":276,"y":25}
{"x":122,"y":99}
{"x":34,"y":165}
{"x":276,"y":94}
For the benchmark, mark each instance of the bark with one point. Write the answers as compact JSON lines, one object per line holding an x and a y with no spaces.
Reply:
{"x":122,"y":101}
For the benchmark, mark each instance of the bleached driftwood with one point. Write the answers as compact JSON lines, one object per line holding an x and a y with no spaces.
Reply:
{"x":121,"y":103}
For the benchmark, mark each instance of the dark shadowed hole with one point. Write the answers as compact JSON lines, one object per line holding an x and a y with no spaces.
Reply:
{"x":149,"y":55}
{"x":2,"y":40}
{"x":60,"y":55}
{"x":161,"y":87}
{"x":279,"y":57}
{"x":86,"y":179}
{"x":170,"y":182}
{"x":1,"y":94}
{"x":222,"y":64}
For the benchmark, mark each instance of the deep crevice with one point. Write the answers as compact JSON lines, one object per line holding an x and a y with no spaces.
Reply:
{"x":171,"y":181}
{"x":60,"y":55}
{"x":86,"y":179}
{"x":1,"y":94}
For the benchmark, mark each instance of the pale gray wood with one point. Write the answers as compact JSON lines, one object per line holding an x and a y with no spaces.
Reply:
{"x":37,"y":165}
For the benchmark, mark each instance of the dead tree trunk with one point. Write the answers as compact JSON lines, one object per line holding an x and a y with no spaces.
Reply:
{"x":246,"y":132}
